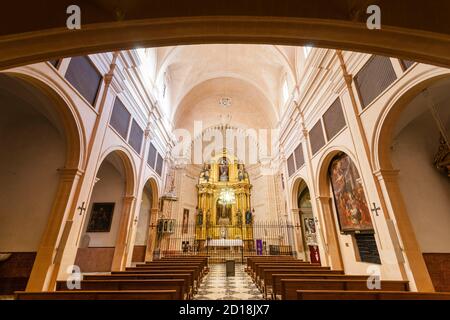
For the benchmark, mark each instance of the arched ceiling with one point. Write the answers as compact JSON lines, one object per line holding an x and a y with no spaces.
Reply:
{"x":198,"y":76}
{"x":249,"y":106}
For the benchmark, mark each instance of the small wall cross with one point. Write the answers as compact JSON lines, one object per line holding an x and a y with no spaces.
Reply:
{"x":375,"y":209}
{"x":83,"y":208}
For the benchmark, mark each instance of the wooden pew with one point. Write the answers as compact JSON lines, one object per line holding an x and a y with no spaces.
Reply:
{"x":260,"y":269}
{"x":142,"y":271}
{"x":187,"y":277}
{"x":369,"y":295}
{"x":151,"y":269}
{"x":252,"y":260}
{"x":272,"y":278}
{"x":178,"y":285}
{"x":98,"y":295}
{"x":266,"y":281}
{"x":289,"y":287}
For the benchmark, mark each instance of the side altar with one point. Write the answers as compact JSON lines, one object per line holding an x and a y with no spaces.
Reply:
{"x":224,"y":216}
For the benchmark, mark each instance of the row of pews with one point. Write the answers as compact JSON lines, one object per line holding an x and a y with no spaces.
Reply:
{"x":286,"y":278}
{"x":171,"y":278}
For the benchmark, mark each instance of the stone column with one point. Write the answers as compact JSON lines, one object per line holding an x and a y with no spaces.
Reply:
{"x":151,"y":240}
{"x":332,"y":244}
{"x":389,"y":184}
{"x":43,"y":264}
{"x":122,"y":234}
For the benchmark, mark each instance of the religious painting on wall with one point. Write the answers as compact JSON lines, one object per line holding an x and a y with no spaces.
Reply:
{"x":101,"y":217}
{"x":310,"y":231}
{"x":350,"y":200}
{"x":185,"y":221}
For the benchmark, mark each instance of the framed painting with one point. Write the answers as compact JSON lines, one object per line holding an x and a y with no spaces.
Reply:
{"x":101,"y":217}
{"x":349,"y":198}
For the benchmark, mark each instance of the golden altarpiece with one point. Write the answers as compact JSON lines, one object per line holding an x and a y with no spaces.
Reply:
{"x":224,"y":211}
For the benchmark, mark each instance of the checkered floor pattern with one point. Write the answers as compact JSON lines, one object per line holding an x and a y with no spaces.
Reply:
{"x":217,"y":286}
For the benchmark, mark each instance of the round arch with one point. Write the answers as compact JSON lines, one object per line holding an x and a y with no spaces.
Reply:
{"x":60,"y":110}
{"x":389,"y":176}
{"x":299,"y":182}
{"x":322,"y":181}
{"x":391,"y":113}
{"x":322,"y":30}
{"x":66,"y":112}
{"x":152,"y":182}
{"x":128,"y":165}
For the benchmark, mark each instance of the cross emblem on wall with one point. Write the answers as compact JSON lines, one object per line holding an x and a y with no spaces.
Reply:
{"x":375,"y":209}
{"x":82,"y":208}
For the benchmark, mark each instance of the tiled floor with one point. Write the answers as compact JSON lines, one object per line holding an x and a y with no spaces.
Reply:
{"x":217,"y":286}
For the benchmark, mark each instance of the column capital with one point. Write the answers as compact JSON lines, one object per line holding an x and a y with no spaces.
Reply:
{"x":129,"y":198}
{"x":70,"y":173}
{"x":323,"y":199}
{"x":387,"y":175}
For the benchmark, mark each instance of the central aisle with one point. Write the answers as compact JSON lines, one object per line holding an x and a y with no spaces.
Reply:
{"x":217,"y":286}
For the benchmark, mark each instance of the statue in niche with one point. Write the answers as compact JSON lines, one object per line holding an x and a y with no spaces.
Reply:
{"x":248,"y":217}
{"x":204,"y":175}
{"x":223,"y":169}
{"x":208,"y":217}
{"x":199,"y":217}
{"x":239,"y":217}
{"x":241,"y":172}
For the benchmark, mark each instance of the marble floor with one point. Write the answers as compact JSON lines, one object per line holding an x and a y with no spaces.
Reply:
{"x":217,"y":286}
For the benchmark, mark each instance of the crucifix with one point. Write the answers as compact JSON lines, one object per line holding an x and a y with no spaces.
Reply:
{"x":375,"y":209}
{"x":82,"y":208}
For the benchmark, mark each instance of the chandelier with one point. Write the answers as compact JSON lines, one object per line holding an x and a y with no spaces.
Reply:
{"x":226,"y":197}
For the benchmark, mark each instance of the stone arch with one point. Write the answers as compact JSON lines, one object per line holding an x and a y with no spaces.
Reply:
{"x":299,"y":182}
{"x":392,"y":112}
{"x":120,"y":166}
{"x":322,"y":180}
{"x":322,"y":30}
{"x":325,"y":202}
{"x":128,"y":165}
{"x":66,"y":111}
{"x":390,"y":178}
{"x":60,"y":111}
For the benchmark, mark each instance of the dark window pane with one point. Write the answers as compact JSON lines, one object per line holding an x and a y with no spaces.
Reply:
{"x":82,"y":74}
{"x":367,"y":247}
{"x":299,"y":158}
{"x":151,"y":160}
{"x":54,"y":62}
{"x":316,"y":137}
{"x":136,"y":135}
{"x":334,"y":119}
{"x":407,"y":64}
{"x":374,"y":78}
{"x":291,"y":165}
{"x":120,"y":118}
{"x":159,"y":165}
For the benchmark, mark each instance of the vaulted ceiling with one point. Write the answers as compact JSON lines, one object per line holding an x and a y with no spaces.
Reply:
{"x":196,"y":78}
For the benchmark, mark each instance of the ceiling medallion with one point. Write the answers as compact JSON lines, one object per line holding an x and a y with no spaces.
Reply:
{"x":225,"y":102}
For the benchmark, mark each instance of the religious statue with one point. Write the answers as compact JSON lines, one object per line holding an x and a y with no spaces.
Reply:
{"x":241,"y":171}
{"x":204,"y":175}
{"x":239,"y":217}
{"x":223,"y":169}
{"x":248,"y":217}
{"x":208,"y":217}
{"x":200,"y":217}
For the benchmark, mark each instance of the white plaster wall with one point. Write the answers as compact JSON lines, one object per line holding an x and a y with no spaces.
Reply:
{"x":425,"y":191}
{"x":32,"y":151}
{"x":110,"y":188}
